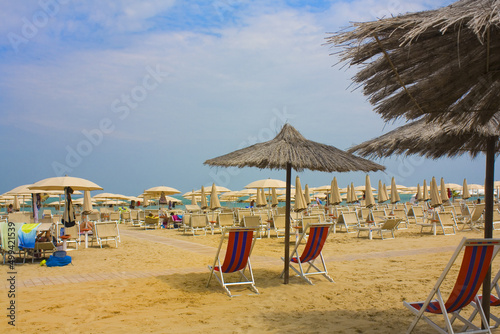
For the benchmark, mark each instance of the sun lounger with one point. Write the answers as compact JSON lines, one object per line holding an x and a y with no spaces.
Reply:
{"x":347,"y":219}
{"x":475,"y":220}
{"x":197,"y":222}
{"x":225,"y":219}
{"x":151,"y":222}
{"x":317,"y":235}
{"x":477,"y":258}
{"x":389,"y":225}
{"x":279,"y":225}
{"x":106,"y":231}
{"x":240,"y":244}
{"x":255,"y":222}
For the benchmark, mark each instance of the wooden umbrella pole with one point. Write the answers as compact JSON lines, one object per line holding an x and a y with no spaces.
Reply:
{"x":287,"y":222}
{"x":488,"y":219}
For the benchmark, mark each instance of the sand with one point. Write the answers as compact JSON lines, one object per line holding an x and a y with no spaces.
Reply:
{"x":155,"y":282}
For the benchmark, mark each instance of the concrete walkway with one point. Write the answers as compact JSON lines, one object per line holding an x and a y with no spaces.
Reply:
{"x":196,"y":248}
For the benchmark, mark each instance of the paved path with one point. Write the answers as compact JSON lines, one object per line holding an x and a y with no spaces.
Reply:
{"x":197,"y":248}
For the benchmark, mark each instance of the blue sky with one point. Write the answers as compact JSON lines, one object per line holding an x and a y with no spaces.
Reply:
{"x":136,"y":94}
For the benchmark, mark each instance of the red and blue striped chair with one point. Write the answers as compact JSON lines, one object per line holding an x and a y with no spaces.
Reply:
{"x":494,"y":301}
{"x":237,"y":259}
{"x":477,"y":258}
{"x":316,"y":235}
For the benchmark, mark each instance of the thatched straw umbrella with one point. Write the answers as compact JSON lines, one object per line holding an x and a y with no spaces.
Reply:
{"x":440,"y":62}
{"x":289,"y":149}
{"x":448,"y":139}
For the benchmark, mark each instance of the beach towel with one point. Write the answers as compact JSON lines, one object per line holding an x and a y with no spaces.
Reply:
{"x":4,"y":232}
{"x":27,"y":236}
{"x":55,"y":261}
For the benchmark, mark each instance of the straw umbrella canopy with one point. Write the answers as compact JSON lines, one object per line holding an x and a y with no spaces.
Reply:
{"x":465,"y":190}
{"x":307,"y":197}
{"x":300,"y":202}
{"x":289,"y":149}
{"x":444,"y":192}
{"x":437,"y":62}
{"x":369,"y":200}
{"x":382,"y":192}
{"x":335,"y":197}
{"x":394,"y":192}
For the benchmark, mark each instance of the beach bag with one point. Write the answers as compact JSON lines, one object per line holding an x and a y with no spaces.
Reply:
{"x":55,"y":261}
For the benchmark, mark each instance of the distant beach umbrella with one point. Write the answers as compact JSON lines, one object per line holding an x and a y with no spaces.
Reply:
{"x":307,"y":197}
{"x":335,"y":197}
{"x":382,"y":193}
{"x":261,"y":202}
{"x":15,"y":205}
{"x":425,"y":192}
{"x":214,"y":199}
{"x":443,"y":192}
{"x":369,"y":200}
{"x":193,"y":198}
{"x":274,"y":198}
{"x":203,"y":203}
{"x":435,"y":198}
{"x":300,"y":203}
{"x":465,"y":190}
{"x":418,"y":196}
{"x":267,"y":183}
{"x":394,"y":192}
{"x":87,"y":202}
{"x":289,"y":149}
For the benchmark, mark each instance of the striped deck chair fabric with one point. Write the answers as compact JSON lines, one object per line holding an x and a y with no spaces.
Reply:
{"x":477,"y":258}
{"x":240,"y":243}
{"x":494,"y":301}
{"x":317,"y":235}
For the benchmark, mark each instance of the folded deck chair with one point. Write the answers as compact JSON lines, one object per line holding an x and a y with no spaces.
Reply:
{"x":389,"y":225}
{"x":240,"y":243}
{"x":106,"y":231}
{"x":477,"y":258}
{"x":317,"y":234}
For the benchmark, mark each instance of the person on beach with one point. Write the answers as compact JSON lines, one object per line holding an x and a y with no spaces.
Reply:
{"x":252,"y":203}
{"x":10,"y":209}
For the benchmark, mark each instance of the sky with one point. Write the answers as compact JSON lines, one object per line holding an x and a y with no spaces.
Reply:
{"x":137,"y":94}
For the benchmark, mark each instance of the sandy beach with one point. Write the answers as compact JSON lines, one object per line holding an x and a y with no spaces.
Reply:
{"x":154,"y":282}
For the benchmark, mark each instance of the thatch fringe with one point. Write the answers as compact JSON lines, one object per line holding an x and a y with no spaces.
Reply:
{"x":448,"y":59}
{"x":432,"y":139}
{"x":289,"y":146}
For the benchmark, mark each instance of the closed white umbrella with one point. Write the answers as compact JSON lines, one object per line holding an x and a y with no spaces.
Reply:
{"x":425,"y":193}
{"x":382,"y":197}
{"x":307,"y":197}
{"x":214,"y":199}
{"x":274,"y":201}
{"x":87,"y":202}
{"x":418,"y":196}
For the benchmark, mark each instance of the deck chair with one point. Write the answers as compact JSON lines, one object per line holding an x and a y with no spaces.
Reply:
{"x":417,"y":213}
{"x":347,"y":219}
{"x":475,"y":220}
{"x":496,"y":219}
{"x":225,"y":219}
{"x":494,"y":301}
{"x":447,"y":221}
{"x":106,"y":231}
{"x":241,"y":241}
{"x":389,"y":225}
{"x":318,"y":233}
{"x":279,"y":225}
{"x":241,"y":213}
{"x":151,"y":222}
{"x":197,"y":222}
{"x":477,"y":258}
{"x":255,"y":222}
{"x":402,"y":215}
